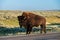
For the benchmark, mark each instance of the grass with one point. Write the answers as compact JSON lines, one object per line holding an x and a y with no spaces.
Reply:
{"x":53,"y":19}
{"x":10,"y":22}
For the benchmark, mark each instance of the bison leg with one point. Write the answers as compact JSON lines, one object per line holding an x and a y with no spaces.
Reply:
{"x":44,"y":29}
{"x":20,"y":25}
{"x":27,"y":30}
{"x":30,"y":29}
{"x":41,"y":28}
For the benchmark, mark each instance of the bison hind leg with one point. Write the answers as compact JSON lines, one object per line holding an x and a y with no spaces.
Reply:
{"x":43,"y":28}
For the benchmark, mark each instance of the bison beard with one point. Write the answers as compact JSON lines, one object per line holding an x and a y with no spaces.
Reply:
{"x":29,"y":20}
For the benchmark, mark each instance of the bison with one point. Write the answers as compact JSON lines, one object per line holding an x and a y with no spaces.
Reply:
{"x":29,"y":20}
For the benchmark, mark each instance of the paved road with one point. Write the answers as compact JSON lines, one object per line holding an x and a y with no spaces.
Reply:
{"x":48,"y":36}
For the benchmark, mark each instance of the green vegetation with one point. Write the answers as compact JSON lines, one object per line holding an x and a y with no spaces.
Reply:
{"x":6,"y":31}
{"x":55,"y":23}
{"x":14,"y":31}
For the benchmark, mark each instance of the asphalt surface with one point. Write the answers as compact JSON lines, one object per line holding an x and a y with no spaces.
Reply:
{"x":48,"y":36}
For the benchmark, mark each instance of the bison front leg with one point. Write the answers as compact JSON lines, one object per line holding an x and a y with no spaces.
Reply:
{"x":20,"y":25}
{"x":30,"y":30}
{"x":27,"y":30}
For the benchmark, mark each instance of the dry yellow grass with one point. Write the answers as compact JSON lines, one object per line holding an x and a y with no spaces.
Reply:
{"x":53,"y":19}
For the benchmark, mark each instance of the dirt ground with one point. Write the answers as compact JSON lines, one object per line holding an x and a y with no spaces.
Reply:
{"x":48,"y":36}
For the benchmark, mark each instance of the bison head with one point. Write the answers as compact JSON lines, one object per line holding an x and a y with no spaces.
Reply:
{"x":21,"y":19}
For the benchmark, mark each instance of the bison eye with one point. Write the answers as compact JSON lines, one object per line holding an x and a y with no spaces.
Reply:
{"x":24,"y":18}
